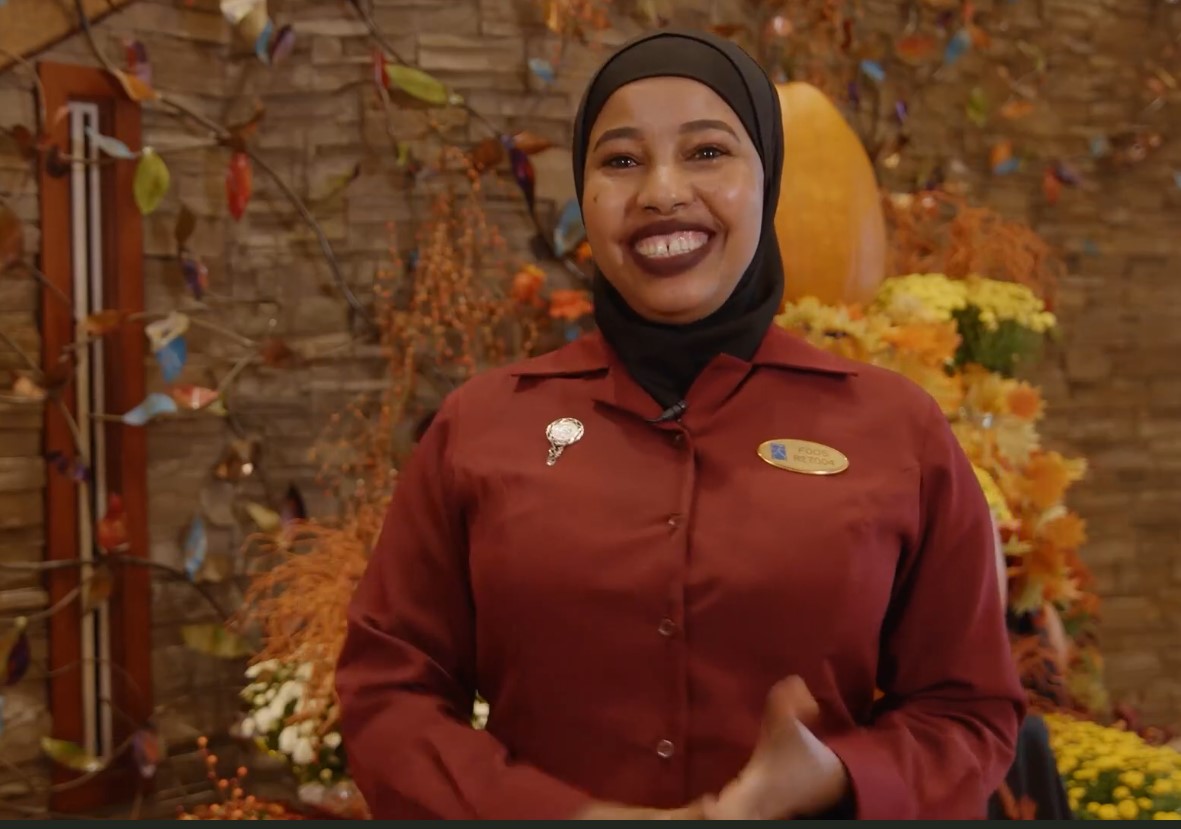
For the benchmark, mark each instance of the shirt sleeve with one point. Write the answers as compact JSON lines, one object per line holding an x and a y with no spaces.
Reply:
{"x":945,"y":732}
{"x":406,"y":673}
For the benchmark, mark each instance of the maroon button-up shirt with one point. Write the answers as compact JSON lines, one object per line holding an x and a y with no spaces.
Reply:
{"x":626,"y":610}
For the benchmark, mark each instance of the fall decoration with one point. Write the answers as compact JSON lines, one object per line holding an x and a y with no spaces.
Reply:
{"x":961,"y":340}
{"x":832,"y":235}
{"x":1113,"y":774}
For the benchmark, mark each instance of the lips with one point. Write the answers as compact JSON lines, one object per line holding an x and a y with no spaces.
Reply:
{"x":670,"y":247}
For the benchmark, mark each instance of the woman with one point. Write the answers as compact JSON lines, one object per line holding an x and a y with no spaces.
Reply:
{"x":619,"y":545}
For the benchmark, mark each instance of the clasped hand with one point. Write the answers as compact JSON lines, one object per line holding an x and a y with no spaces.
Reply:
{"x":791,"y":772}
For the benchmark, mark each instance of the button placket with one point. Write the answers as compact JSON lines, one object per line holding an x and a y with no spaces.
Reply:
{"x":665,"y":749}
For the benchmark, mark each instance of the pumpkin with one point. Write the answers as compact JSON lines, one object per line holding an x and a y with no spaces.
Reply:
{"x":829,"y":222}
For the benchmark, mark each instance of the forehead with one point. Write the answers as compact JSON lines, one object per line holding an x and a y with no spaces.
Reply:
{"x":655,"y":104}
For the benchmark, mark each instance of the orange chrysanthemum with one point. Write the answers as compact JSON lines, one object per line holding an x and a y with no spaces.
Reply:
{"x":1025,"y":402}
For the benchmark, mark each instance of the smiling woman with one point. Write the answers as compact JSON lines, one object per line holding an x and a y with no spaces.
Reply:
{"x":669,"y":197}
{"x":678,"y":556}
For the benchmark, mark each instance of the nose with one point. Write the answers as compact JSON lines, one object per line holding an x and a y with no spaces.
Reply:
{"x":664,"y":189}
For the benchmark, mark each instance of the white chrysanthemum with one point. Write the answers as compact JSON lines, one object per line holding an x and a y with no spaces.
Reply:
{"x":303,"y":752}
{"x":304,"y":671}
{"x":247,"y":726}
{"x":288,"y":739}
{"x":332,"y":740}
{"x":264,"y":721}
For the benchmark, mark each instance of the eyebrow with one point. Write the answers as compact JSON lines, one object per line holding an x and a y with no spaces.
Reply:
{"x":699,"y":125}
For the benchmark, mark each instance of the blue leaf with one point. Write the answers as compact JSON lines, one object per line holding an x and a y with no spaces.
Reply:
{"x":543,"y":69}
{"x":196,"y":546}
{"x":569,"y":230}
{"x":153,"y":405}
{"x":111,"y":146}
{"x":172,"y":358}
{"x":262,"y":46}
{"x":1009,"y":165}
{"x":873,"y":70}
{"x":956,"y":47}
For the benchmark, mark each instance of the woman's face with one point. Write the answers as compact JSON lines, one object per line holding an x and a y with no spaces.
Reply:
{"x":672,"y":198}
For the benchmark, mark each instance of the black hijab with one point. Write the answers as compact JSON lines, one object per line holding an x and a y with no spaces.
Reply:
{"x":665,"y":359}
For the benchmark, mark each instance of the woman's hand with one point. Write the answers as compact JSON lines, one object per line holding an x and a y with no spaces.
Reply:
{"x":791,"y":772}
{"x":612,"y":811}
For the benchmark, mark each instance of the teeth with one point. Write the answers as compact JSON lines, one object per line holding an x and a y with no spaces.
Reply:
{"x":673,"y":244}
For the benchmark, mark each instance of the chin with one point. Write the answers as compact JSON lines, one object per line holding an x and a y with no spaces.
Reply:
{"x":676,"y":313}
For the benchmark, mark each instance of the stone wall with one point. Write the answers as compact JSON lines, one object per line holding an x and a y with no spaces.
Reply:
{"x":1113,"y":386}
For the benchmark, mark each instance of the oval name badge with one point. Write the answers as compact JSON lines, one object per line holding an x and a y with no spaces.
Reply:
{"x":803,"y":456}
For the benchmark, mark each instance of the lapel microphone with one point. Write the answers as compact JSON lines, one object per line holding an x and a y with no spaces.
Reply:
{"x":673,"y":412}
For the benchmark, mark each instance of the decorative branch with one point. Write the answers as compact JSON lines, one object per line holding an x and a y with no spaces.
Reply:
{"x":226,"y":138}
{"x":173,"y":572}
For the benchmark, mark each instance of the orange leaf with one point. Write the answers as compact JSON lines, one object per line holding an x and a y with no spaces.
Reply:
{"x":1051,"y":186}
{"x":530,"y":144}
{"x":193,"y":397}
{"x":239,"y":184}
{"x":98,"y":588}
{"x":487,"y":154}
{"x":1017,"y":108}
{"x":277,"y":354}
{"x":26,"y":389}
{"x":915,"y":47}
{"x":135,"y":88}
{"x":1001,"y":152}
{"x":102,"y":322}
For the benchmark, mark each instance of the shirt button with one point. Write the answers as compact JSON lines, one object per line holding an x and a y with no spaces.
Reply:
{"x":667,"y":627}
{"x":665,"y":749}
{"x":678,"y":438}
{"x":674,"y":520}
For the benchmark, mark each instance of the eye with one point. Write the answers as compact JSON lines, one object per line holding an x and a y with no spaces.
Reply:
{"x":709,"y":152}
{"x":619,"y":162}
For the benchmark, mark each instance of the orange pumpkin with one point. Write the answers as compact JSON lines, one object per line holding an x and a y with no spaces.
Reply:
{"x":830,"y":226}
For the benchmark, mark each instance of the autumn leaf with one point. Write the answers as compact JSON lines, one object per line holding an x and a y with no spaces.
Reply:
{"x":244,"y":130}
{"x":12,"y":238}
{"x":530,"y":144}
{"x":277,"y":354}
{"x":267,"y":519}
{"x":1016,"y":108}
{"x":27,"y":389}
{"x":487,"y":154}
{"x":70,"y":755}
{"x":215,"y":640}
{"x":103,"y":322}
{"x":186,"y":223}
{"x":152,"y":181}
{"x":98,"y":588}
{"x":14,"y":653}
{"x":135,"y":88}
{"x":420,"y":85}
{"x":239,"y":184}
{"x":193,"y":398}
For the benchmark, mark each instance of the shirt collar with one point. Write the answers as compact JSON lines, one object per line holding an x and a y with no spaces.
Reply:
{"x":590,"y":354}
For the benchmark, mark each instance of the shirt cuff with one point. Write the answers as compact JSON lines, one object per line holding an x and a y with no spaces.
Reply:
{"x":876,"y":790}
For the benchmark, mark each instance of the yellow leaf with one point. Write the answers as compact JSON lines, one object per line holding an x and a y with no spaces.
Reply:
{"x":215,"y":640}
{"x":420,"y":85}
{"x":70,"y":755}
{"x":152,"y":181}
{"x":267,"y":519}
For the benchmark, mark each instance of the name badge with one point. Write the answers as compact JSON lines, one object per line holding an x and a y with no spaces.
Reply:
{"x":803,"y":456}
